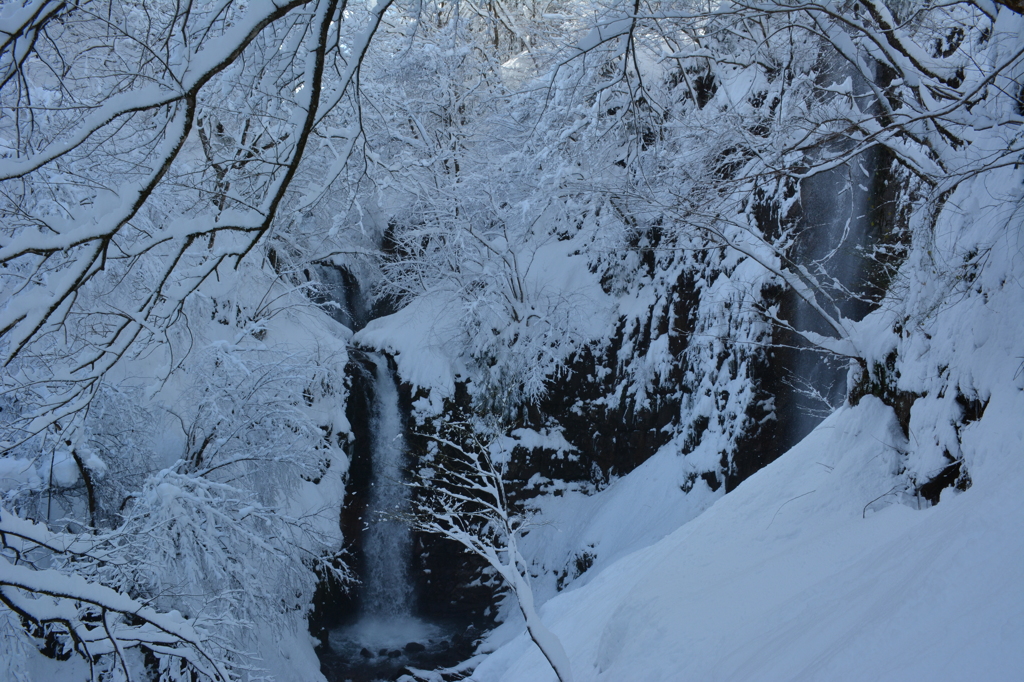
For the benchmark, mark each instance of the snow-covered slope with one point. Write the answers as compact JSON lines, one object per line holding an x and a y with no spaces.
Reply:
{"x":827,"y":564}
{"x":805,"y":573}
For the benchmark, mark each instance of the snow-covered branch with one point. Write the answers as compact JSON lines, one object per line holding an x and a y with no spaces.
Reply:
{"x":464,"y":500}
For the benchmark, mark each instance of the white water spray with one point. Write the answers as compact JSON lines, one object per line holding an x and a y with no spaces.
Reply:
{"x":387,"y":540}
{"x":386,"y":625}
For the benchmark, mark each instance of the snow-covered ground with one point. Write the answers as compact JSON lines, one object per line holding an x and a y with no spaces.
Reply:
{"x":809,"y":571}
{"x":824,"y":565}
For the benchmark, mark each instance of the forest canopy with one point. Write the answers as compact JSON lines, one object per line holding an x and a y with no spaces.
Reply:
{"x":173,"y":174}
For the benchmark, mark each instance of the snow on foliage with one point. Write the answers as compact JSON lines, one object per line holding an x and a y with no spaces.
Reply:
{"x":172,"y":403}
{"x":224,"y":510}
{"x":678,"y":150}
{"x":632,"y":213}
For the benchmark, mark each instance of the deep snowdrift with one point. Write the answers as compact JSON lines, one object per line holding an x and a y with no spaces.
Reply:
{"x":810,"y":571}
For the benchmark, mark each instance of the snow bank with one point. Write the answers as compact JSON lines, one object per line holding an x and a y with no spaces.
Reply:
{"x":793,"y":576}
{"x":597,"y":529}
{"x":442,"y":334}
{"x":420,"y":336}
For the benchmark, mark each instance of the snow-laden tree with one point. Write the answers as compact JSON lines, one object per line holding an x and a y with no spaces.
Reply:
{"x":718,"y":117}
{"x":202,"y":483}
{"x":166,"y":400}
{"x":686,"y":150}
{"x":723,"y":117}
{"x":448,"y":171}
{"x":709,"y":135}
{"x":462,"y":497}
{"x":145,"y":146}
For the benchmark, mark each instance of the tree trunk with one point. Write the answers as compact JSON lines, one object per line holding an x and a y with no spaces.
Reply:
{"x":546,"y":641}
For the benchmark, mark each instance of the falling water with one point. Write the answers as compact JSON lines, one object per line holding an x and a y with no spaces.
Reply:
{"x":387,"y":541}
{"x":386,"y":636}
{"x":341,"y":295}
{"x":837,"y":232}
{"x":832,"y":247}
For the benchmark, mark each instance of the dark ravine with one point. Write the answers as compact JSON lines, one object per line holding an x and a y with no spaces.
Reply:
{"x":394,"y":616}
{"x":611,"y":438}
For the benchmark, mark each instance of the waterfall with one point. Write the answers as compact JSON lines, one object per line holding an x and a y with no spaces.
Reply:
{"x":374,"y":631}
{"x":341,"y":294}
{"x":385,"y":635}
{"x":837,"y":230}
{"x":387,"y":541}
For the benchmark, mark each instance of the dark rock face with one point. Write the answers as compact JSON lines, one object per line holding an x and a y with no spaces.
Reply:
{"x":451,"y":583}
{"x":359,"y":410}
{"x":764,"y":437}
{"x":391,"y":664}
{"x":333,"y":603}
{"x":450,"y":586}
{"x":614,"y":439}
{"x":953,"y":476}
{"x":340,"y":294}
